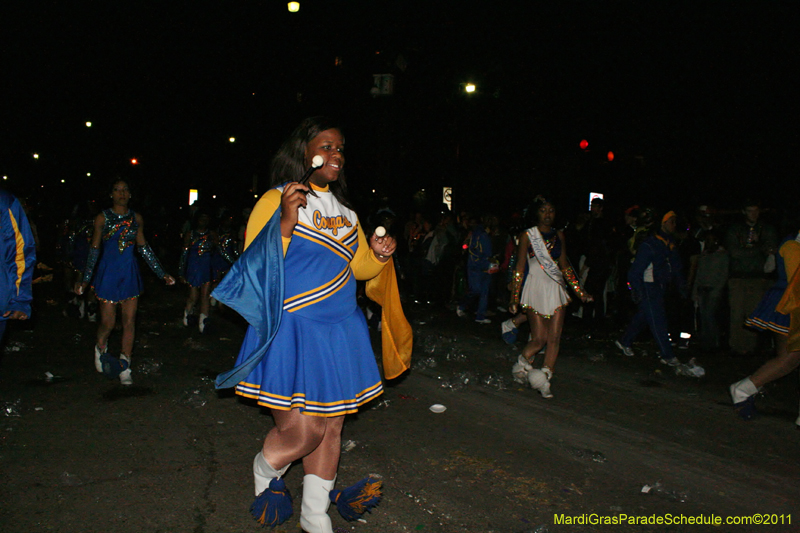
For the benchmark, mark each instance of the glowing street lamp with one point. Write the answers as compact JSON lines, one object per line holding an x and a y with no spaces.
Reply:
{"x":88,"y":124}
{"x":469,"y":88}
{"x":294,"y":7}
{"x":134,"y":161}
{"x":36,"y":156}
{"x":232,"y":139}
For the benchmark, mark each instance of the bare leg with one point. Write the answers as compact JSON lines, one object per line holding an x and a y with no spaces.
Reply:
{"x":128,"y":308}
{"x":294,"y":436}
{"x":776,"y":368}
{"x":205,"y":291}
{"x":324,"y":461}
{"x":108,"y":317}
{"x":190,"y":301}
{"x":538,"y":335}
{"x":555,"y":325}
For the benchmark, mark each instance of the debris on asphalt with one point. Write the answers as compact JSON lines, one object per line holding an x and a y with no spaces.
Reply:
{"x":659,"y":490}
{"x":12,"y":408}
{"x":690,"y":369}
{"x":193,"y":399}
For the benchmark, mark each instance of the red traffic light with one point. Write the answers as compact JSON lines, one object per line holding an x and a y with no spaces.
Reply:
{"x":610,"y":156}
{"x":134,"y":161}
{"x":584,"y":144}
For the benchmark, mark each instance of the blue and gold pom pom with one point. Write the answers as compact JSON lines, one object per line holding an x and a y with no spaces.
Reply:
{"x":357,"y":499}
{"x":273,"y":506}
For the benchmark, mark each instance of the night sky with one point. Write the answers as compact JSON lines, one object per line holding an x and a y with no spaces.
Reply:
{"x":695,"y":99}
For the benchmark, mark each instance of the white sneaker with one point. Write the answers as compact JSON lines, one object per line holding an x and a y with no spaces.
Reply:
{"x":185,"y":317}
{"x":201,"y":324}
{"x":97,"y":353}
{"x":460,"y":312}
{"x":544,"y":390}
{"x":483,"y":321}
{"x":627,"y":350}
{"x":125,"y":377}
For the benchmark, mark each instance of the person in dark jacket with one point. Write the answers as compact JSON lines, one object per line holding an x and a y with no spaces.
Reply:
{"x":479,"y":247}
{"x":657,"y":264}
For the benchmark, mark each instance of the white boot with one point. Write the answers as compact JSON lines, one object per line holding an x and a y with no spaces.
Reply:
{"x":263,"y":473}
{"x":544,"y":390}
{"x":742,"y":390}
{"x":125,"y":377}
{"x":98,"y":365}
{"x":316,"y":500}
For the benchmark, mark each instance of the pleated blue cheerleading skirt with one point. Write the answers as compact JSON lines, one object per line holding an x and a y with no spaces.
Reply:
{"x":322,"y":368}
{"x":765,"y":317}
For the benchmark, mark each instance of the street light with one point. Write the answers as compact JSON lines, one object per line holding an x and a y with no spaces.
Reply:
{"x":36,"y":156}
{"x":232,"y":139}
{"x":470,"y":88}
{"x":294,"y":7}
{"x":88,"y":124}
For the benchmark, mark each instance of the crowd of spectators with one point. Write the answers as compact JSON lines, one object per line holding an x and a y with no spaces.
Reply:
{"x":725,"y":261}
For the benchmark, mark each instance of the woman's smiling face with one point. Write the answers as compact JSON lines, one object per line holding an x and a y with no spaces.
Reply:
{"x":329,"y":144}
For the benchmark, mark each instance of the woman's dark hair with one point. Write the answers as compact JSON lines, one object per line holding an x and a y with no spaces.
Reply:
{"x":196,"y":217}
{"x":289,"y":163}
{"x":116,"y":180}
{"x":532,"y":213}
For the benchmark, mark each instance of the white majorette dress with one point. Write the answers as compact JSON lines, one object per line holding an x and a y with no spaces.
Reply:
{"x":544,"y":290}
{"x":321,"y":359}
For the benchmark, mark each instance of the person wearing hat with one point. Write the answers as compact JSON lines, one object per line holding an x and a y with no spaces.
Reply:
{"x":657,"y":264}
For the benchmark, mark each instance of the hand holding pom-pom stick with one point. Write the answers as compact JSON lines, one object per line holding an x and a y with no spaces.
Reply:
{"x":316,"y":163}
{"x":383,"y":245}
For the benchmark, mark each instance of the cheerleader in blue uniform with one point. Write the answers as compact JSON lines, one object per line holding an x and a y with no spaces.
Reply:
{"x":196,"y":267}
{"x":772,"y":316}
{"x":114,"y":272}
{"x":320,"y":364}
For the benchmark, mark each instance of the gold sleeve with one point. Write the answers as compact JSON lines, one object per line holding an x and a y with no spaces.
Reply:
{"x":365,"y":265}
{"x":262,"y":212}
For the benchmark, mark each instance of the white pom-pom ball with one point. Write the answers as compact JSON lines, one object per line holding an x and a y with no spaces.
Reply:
{"x":537,"y":378}
{"x":317,"y":161}
{"x":380,"y":231}
{"x":520,"y":370}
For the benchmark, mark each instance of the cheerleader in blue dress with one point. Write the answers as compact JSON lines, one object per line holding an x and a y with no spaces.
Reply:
{"x":319,"y":364}
{"x":771,"y":316}
{"x":197,"y":268}
{"x":114,"y":273}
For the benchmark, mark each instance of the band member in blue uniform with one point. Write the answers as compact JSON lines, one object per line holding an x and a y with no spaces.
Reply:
{"x":18,"y":255}
{"x":114,"y":273}
{"x":197,"y":268}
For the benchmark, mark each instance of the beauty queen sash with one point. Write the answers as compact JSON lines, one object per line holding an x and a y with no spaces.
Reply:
{"x":543,"y":256}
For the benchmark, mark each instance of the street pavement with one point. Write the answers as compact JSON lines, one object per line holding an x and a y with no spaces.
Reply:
{"x":621,"y":437}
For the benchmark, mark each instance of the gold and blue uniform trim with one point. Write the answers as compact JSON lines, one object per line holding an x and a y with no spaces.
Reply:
{"x":298,"y":400}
